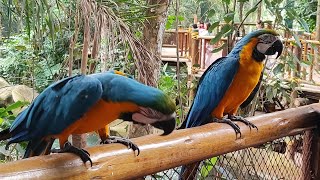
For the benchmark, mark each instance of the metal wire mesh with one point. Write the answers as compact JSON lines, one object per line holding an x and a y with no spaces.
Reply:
{"x":284,"y":158}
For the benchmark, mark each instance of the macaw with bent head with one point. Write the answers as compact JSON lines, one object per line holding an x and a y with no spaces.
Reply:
{"x":82,"y":104}
{"x":230,"y":80}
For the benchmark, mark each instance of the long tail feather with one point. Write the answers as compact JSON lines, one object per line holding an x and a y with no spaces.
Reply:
{"x":38,"y":147}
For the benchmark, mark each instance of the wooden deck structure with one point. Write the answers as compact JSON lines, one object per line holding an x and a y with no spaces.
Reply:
{"x":305,"y":56}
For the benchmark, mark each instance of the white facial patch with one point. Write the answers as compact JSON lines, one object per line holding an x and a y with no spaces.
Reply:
{"x":265,"y":42}
{"x":149,"y":116}
{"x":143,"y":119}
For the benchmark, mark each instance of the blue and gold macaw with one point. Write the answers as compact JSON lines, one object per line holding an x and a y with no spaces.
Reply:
{"x":82,"y":104}
{"x":229,"y":81}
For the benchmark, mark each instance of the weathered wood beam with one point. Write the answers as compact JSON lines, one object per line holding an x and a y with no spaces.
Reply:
{"x":163,"y":152}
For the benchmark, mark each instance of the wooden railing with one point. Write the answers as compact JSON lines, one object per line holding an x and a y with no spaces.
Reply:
{"x":181,"y":147}
{"x":308,"y":56}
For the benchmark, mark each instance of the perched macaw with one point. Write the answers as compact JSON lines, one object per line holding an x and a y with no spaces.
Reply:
{"x":229,"y":81}
{"x":82,"y":104}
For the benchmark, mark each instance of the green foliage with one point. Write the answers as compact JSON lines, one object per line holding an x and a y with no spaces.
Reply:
{"x":15,"y":60}
{"x":306,"y":11}
{"x":169,"y":84}
{"x":6,"y":119}
{"x":172,"y":20}
{"x":208,"y":166}
{"x":275,"y":86}
{"x":21,"y":61}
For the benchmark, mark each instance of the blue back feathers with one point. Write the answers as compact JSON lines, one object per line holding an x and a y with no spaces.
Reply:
{"x":56,"y":108}
{"x":120,"y":89}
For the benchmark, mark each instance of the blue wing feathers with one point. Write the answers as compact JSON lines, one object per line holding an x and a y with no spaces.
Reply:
{"x":56,"y":108}
{"x":211,"y":89}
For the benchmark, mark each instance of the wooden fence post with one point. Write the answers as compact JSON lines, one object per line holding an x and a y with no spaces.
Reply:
{"x":310,"y":77}
{"x":297,"y":51}
{"x":195,"y":51}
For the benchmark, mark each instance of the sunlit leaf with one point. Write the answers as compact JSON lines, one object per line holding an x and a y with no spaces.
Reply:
{"x":228,"y":17}
{"x":180,"y":18}
{"x":21,"y":48}
{"x":211,"y":13}
{"x":208,"y":166}
{"x":274,"y":92}
{"x":226,"y":28}
{"x":297,"y":39}
{"x":278,"y":69}
{"x":226,"y":1}
{"x":16,"y":105}
{"x":219,"y":48}
{"x":2,"y":110}
{"x":251,"y":10}
{"x":213,"y":26}
{"x":304,"y":24}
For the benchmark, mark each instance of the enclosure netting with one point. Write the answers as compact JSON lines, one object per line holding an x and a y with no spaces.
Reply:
{"x":280,"y":159}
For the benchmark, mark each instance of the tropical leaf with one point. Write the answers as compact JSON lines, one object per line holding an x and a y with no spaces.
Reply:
{"x":219,"y":48}
{"x":16,"y":105}
{"x":211,"y":13}
{"x":208,"y":166}
{"x":213,"y":26}
{"x":228,"y":17}
{"x":251,"y":10}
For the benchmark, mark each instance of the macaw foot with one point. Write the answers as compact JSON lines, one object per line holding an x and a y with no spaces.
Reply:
{"x":241,"y":119}
{"x":124,"y":141}
{"x":232,"y":124}
{"x":67,"y":147}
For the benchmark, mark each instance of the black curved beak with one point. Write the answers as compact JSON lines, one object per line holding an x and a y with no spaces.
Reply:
{"x":167,"y":126}
{"x":277,"y":46}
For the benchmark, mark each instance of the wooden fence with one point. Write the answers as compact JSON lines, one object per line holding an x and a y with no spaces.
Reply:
{"x":307,"y":57}
{"x":181,"y":147}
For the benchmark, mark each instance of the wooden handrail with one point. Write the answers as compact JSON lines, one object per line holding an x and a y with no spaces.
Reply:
{"x":163,"y":152}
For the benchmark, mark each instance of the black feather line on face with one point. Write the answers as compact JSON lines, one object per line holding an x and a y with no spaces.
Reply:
{"x":258,"y":56}
{"x":126,"y":116}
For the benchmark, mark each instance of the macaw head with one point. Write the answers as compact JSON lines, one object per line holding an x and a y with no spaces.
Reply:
{"x":160,"y":114}
{"x":154,"y":107}
{"x":264,"y":42}
{"x":149,"y":105}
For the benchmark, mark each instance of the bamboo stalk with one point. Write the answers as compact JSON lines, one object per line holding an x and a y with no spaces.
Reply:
{"x":163,"y":152}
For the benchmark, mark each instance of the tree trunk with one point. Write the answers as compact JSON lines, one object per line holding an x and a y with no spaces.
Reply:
{"x":96,"y":44}
{"x":79,"y":140}
{"x":259,"y":10}
{"x":318,"y":35}
{"x":241,"y":18}
{"x":0,"y":29}
{"x":154,"y":28}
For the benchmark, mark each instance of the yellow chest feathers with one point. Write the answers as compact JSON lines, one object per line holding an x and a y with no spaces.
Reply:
{"x":247,"y":63}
